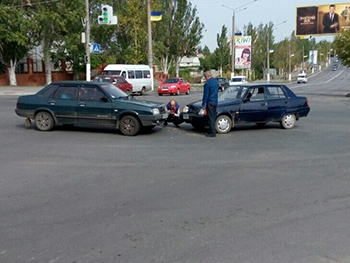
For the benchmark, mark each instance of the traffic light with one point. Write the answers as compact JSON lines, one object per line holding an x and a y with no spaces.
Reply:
{"x":107,"y":17}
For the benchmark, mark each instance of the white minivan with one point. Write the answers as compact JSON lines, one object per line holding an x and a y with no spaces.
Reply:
{"x":139,"y":76}
{"x":237,"y":80}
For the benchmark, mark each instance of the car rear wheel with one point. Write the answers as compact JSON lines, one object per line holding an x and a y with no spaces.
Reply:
{"x":178,"y":92}
{"x":129,"y":125}
{"x":188,"y":92}
{"x":288,"y":121}
{"x":129,"y":92}
{"x":143,"y":91}
{"x":223,"y":124}
{"x":44,"y":121}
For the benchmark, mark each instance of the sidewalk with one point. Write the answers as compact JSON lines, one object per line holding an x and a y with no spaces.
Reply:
{"x":18,"y":91}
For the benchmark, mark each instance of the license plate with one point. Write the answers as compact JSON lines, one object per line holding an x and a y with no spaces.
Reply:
{"x":185,"y":116}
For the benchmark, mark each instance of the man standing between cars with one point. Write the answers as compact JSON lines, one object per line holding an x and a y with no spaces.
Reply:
{"x":210,"y":101}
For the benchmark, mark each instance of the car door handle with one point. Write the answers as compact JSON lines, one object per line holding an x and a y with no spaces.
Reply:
{"x":52,"y":102}
{"x":264,"y":104}
{"x":82,"y":104}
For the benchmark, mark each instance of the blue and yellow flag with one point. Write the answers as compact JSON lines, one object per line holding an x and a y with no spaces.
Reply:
{"x":156,"y":15}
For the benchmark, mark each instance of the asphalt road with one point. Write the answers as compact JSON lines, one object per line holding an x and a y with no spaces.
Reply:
{"x":255,"y":195}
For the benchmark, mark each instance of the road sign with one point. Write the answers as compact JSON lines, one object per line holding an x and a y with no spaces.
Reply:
{"x":96,"y":48}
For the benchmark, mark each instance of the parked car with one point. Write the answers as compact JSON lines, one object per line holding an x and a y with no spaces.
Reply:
{"x":223,"y":83}
{"x":174,"y":86}
{"x":92,"y":104}
{"x":302,"y":78}
{"x":238,"y":80}
{"x":256,"y":103}
{"x":118,"y":81}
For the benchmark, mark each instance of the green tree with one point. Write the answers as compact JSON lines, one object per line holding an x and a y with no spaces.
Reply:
{"x":341,"y":45}
{"x":180,"y":34}
{"x":222,"y":52}
{"x":15,"y":35}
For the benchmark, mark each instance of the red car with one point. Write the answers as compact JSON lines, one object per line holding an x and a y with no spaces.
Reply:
{"x":174,"y":86}
{"x":118,"y":81}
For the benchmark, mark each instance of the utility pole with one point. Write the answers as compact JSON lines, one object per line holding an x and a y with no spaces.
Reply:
{"x":149,"y":26}
{"x":87,"y":41}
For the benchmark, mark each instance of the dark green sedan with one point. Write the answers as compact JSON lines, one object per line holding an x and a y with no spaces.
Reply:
{"x":89,"y":104}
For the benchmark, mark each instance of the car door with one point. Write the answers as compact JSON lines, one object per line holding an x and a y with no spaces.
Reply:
{"x":254,"y":106}
{"x":94,"y":107}
{"x":64,"y":103}
{"x":277,"y":102}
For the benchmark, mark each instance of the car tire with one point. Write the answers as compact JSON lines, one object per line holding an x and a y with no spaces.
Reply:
{"x":129,"y":125}
{"x":129,"y":92}
{"x":188,"y":92}
{"x":178,"y":92}
{"x":143,"y":91}
{"x":44,"y":121}
{"x":223,"y":124}
{"x":288,"y":121}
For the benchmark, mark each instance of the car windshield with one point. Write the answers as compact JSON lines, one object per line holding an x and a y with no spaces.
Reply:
{"x":113,"y":91}
{"x":233,"y":92}
{"x":171,"y":81}
{"x":236,"y":80}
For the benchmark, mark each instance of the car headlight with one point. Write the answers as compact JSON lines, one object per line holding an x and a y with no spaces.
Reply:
{"x":155,"y":111}
{"x":173,"y":86}
{"x":185,"y":109}
{"x":201,"y":112}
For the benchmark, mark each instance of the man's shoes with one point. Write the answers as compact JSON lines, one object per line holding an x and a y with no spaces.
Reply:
{"x":211,"y":135}
{"x":177,"y":125}
{"x":165,"y":123}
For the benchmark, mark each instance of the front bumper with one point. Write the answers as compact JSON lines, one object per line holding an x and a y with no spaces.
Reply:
{"x":194,"y":118}
{"x":150,"y":120}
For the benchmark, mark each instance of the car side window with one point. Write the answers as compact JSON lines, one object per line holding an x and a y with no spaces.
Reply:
{"x":92,"y":93}
{"x":131,"y":74}
{"x":146,"y":74}
{"x":47,"y":93}
{"x":275,"y":93}
{"x":66,"y":93}
{"x":257,"y":93}
{"x":138,"y":74}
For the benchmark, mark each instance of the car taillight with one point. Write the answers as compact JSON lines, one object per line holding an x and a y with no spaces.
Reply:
{"x":307,"y":103}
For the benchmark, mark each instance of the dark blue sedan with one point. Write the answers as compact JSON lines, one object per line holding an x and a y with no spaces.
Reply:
{"x":256,"y":103}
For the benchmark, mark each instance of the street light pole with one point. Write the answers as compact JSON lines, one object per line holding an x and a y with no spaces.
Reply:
{"x":87,"y":41}
{"x":268,"y":50}
{"x":233,"y":46}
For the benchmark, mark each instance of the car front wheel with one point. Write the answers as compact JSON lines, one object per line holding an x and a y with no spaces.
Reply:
{"x":129,"y":125}
{"x":188,"y":92}
{"x":223,"y":124}
{"x":44,"y":121}
{"x":288,"y":121}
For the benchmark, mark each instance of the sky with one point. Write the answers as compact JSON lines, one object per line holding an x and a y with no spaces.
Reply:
{"x":213,"y":15}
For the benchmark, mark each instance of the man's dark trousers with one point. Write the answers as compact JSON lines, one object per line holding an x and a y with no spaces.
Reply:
{"x":211,"y":110}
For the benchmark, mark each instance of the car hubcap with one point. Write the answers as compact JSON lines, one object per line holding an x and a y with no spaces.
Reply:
{"x":289,"y":120}
{"x":129,"y":126}
{"x":223,"y":124}
{"x":44,"y":121}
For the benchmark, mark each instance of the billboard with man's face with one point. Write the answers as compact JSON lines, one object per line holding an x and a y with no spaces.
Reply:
{"x":322,"y":19}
